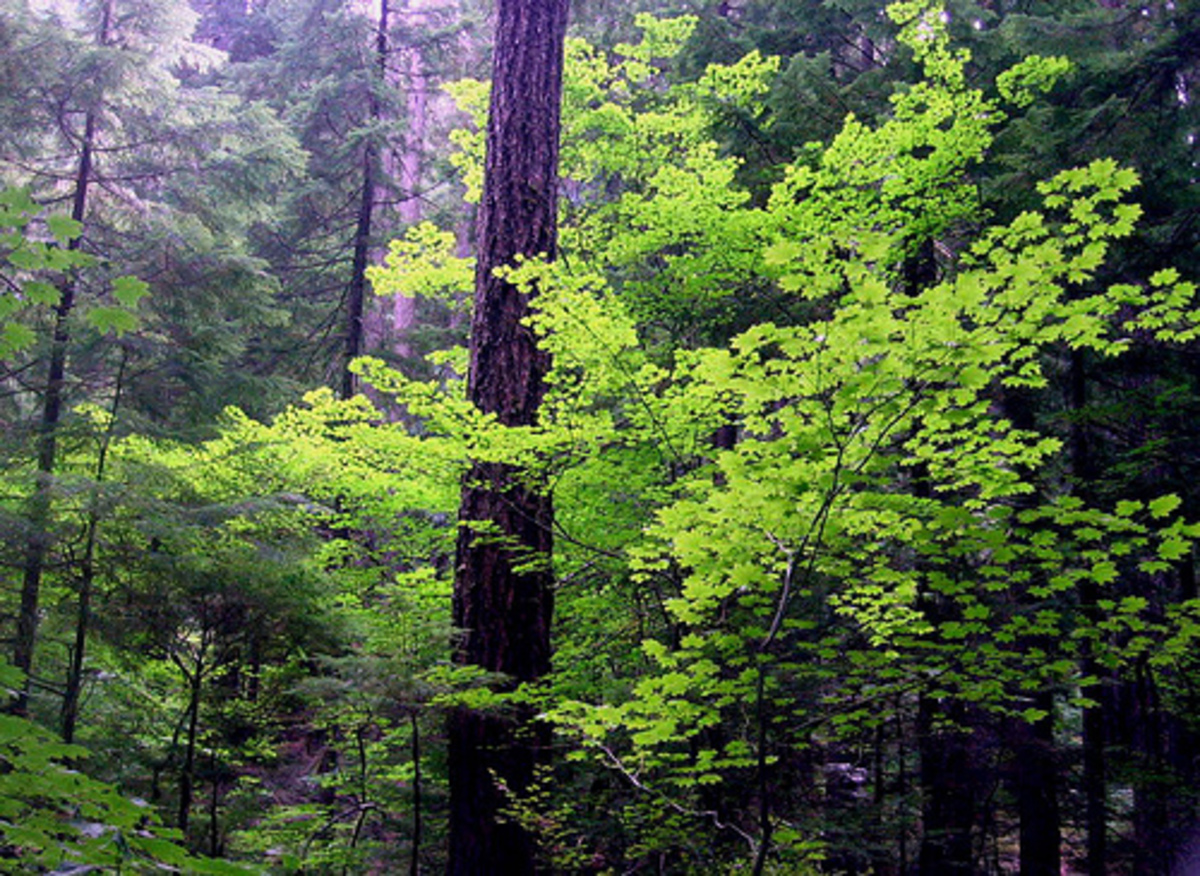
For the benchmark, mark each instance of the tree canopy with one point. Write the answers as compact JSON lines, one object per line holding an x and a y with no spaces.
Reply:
{"x":855,"y":456}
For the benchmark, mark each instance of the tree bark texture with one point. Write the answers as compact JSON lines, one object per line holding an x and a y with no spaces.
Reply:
{"x":503,"y":599}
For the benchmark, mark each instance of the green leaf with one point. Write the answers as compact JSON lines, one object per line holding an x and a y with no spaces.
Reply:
{"x":1163,"y":505}
{"x":128,"y":291}
{"x":115,"y":319}
{"x":1174,"y":549}
{"x":39,"y":292}
{"x":64,"y":228}
{"x":14,"y":337}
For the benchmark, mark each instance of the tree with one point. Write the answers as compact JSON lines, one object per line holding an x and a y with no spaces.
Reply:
{"x":352,"y":80}
{"x":857,"y":452}
{"x":503,"y":585}
{"x":52,"y":400}
{"x":110,"y":130}
{"x":860,"y":559}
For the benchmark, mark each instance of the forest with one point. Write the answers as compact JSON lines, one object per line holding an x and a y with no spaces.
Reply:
{"x":702,"y":437}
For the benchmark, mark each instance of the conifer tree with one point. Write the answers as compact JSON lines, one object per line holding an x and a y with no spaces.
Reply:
{"x":503,"y":596}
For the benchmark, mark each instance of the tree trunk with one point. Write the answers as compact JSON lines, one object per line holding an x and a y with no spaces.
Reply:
{"x":187,"y":775}
{"x":1152,"y":837}
{"x":356,"y":293}
{"x":1095,"y":787}
{"x":1032,"y":745}
{"x":948,"y":787}
{"x":38,"y":543}
{"x":414,"y":862}
{"x":1037,"y":791}
{"x":416,"y":126}
{"x":502,"y":587}
{"x":87,"y":576}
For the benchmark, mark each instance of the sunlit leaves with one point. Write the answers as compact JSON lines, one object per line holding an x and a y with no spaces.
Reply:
{"x":425,"y":263}
{"x":54,"y":816}
{"x":1021,"y":83}
{"x":27,"y":260}
{"x":834,"y":506}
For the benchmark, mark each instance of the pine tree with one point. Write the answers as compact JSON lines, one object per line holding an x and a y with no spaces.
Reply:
{"x":503,"y":600}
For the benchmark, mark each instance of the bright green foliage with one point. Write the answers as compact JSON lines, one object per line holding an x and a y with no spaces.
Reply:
{"x":782,"y":585}
{"x":424,"y":264}
{"x":26,"y":259}
{"x":647,"y":197}
{"x":792,"y":498}
{"x":37,"y":256}
{"x":29,"y":261}
{"x":53,"y":817}
{"x":288,"y":541}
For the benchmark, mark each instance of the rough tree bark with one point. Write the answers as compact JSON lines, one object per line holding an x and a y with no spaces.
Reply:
{"x":502,"y":587}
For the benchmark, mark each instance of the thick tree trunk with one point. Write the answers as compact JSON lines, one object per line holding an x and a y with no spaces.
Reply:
{"x":945,"y":727}
{"x":1152,"y":836}
{"x":1032,"y":745}
{"x":502,"y":588}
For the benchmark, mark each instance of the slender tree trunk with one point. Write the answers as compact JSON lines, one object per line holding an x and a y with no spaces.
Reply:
{"x":901,"y":790}
{"x":1095,"y":787}
{"x":214,"y":809}
{"x":356,"y":294}
{"x":74,"y":686}
{"x":38,"y":543}
{"x":414,"y":864}
{"x":502,"y":588}
{"x":87,"y":576}
{"x":187,"y":775}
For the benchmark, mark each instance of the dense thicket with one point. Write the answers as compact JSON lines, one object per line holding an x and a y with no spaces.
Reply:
{"x":866,"y":401}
